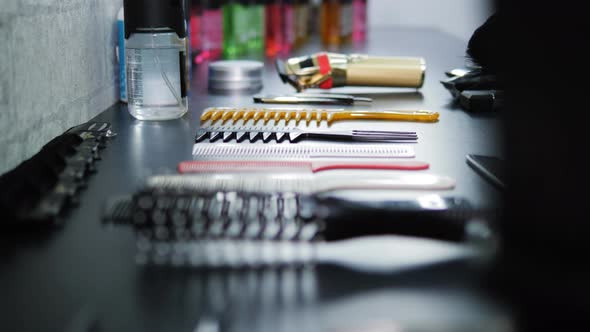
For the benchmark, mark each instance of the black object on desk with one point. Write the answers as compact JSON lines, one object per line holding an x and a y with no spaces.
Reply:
{"x":227,"y":229}
{"x":491,"y":168}
{"x":40,"y":190}
{"x":476,"y":90}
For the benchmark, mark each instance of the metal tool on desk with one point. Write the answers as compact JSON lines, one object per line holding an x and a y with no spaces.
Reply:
{"x":296,"y":135}
{"x":311,"y":98}
{"x":200,"y":166}
{"x":224,"y":114}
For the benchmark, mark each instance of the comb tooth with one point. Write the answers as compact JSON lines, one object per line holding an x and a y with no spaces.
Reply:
{"x":298,"y":116}
{"x":258,"y":115}
{"x":268,"y":115}
{"x":237,"y":115}
{"x":325,"y":115}
{"x":226,"y":116}
{"x":308,"y":117}
{"x":214,"y":136}
{"x":206,"y":115}
{"x":240,"y":136}
{"x":278,"y":116}
{"x":201,"y":135}
{"x":318,"y":117}
{"x":216,"y":115}
{"x":330,"y":118}
{"x":288,"y":116}
{"x":280,"y":136}
{"x":228,"y":135}
{"x":253,"y":136}
{"x":247,"y":115}
{"x":267,"y":136}
{"x":294,"y":136}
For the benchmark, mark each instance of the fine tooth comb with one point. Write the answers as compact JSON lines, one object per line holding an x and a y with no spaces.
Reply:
{"x":225,"y":114}
{"x":296,"y":135}
{"x":231,"y":151}
{"x":197,"y":166}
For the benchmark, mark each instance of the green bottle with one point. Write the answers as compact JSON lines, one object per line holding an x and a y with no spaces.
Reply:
{"x":235,"y":27}
{"x":256,"y":25}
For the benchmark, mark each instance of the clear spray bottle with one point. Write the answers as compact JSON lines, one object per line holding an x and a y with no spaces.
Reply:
{"x":155,"y":57}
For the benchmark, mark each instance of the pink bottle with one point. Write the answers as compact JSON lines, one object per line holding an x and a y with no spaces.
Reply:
{"x":359,"y":21}
{"x":211,"y":28}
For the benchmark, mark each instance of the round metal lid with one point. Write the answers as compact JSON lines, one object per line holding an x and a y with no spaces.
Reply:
{"x":236,"y":70}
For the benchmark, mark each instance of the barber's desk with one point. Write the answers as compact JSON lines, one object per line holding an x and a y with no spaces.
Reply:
{"x":83,"y":276}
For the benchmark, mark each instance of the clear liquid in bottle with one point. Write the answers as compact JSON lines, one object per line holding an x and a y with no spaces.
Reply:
{"x":156,"y":80}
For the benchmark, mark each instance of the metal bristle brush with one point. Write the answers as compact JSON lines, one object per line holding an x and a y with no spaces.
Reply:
{"x":296,"y":135}
{"x":240,"y":229}
{"x":265,"y":115}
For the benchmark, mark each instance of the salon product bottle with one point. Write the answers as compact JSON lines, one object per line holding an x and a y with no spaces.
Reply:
{"x":156,"y":49}
{"x":359,"y":20}
{"x":194,"y":27}
{"x":330,"y":22}
{"x":288,"y":27}
{"x":256,"y":25}
{"x":346,"y":21}
{"x":274,"y":37}
{"x":235,"y":28}
{"x":211,"y":31}
{"x":121,"y":54}
{"x":302,"y":12}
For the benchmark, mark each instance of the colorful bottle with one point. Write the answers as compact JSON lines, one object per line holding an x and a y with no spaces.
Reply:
{"x":302,"y":21}
{"x":274,"y":37}
{"x":211,"y":29}
{"x":256,"y":25}
{"x":121,"y":54}
{"x":194,"y":30}
{"x":235,"y":28}
{"x":155,"y":49}
{"x":346,"y":21}
{"x":330,"y":22}
{"x":359,"y":21}
{"x":288,"y":27}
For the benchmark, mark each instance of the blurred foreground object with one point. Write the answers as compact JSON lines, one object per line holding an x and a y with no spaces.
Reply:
{"x":330,"y":70}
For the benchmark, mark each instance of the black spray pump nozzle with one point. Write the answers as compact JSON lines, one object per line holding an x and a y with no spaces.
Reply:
{"x":155,"y":16}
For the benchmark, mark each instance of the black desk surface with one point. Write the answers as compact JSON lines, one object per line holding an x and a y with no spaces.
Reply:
{"x":85,"y":273}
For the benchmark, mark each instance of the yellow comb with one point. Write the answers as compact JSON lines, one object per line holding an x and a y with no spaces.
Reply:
{"x":268,"y":114}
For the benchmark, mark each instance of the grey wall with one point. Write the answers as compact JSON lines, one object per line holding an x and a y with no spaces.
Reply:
{"x":456,"y":17}
{"x":57,"y":69}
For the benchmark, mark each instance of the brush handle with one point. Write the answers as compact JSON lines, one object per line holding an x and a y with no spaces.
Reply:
{"x":418,"y":115}
{"x":394,"y":181}
{"x":197,"y":166}
{"x":404,"y":165}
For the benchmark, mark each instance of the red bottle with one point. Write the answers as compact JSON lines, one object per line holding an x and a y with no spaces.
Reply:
{"x":274,"y":31}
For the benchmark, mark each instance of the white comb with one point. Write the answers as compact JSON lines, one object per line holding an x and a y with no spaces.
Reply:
{"x":299,"y":152}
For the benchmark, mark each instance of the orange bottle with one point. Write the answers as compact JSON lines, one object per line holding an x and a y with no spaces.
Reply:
{"x":330,"y":22}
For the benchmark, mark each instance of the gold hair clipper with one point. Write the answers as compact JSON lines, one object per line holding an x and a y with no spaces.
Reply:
{"x":330,"y":70}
